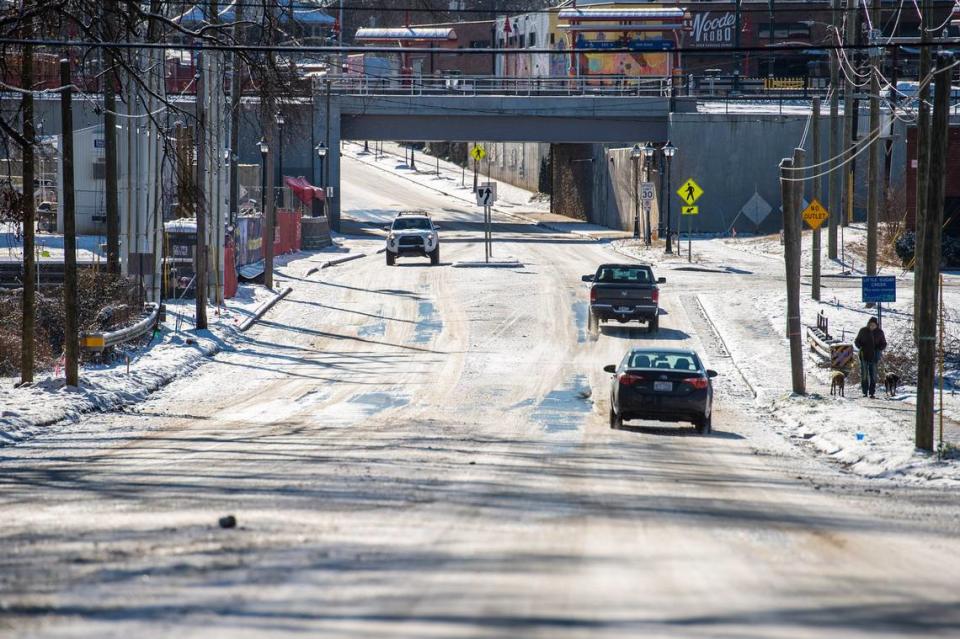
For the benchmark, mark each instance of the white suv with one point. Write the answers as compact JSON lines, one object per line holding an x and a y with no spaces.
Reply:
{"x":413,"y":234}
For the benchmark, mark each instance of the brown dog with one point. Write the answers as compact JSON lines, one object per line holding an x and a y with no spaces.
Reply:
{"x":837,"y":383}
{"x":891,"y":381}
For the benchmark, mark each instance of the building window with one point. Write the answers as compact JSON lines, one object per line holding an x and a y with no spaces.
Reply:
{"x":553,"y":38}
{"x":532,"y":40}
{"x":523,"y":38}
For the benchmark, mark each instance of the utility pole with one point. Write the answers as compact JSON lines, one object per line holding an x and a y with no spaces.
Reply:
{"x":815,"y":280}
{"x":112,"y":204}
{"x":236,"y":87}
{"x":835,"y":132}
{"x":873,"y":154}
{"x":791,"y":193}
{"x":269,"y":203}
{"x":29,"y":214}
{"x":201,"y":266}
{"x":930,"y":258}
{"x":923,"y":159}
{"x":71,"y":345}
{"x":850,"y":113}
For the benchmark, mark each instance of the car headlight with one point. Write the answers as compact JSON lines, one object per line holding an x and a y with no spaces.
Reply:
{"x":391,"y":237}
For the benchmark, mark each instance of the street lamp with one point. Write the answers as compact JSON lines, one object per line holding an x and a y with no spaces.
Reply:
{"x":668,"y":152}
{"x":263,"y":175}
{"x":322,"y":154}
{"x":279,"y":120}
{"x":648,"y":152}
{"x":635,"y":154}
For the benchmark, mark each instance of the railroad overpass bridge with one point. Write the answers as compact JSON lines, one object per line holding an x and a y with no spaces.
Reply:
{"x":468,"y":111}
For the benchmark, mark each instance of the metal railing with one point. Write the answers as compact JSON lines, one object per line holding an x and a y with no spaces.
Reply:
{"x":698,"y":86}
{"x":498,"y":85}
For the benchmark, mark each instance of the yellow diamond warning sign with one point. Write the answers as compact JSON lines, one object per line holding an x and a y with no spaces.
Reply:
{"x":815,"y":215}
{"x":690,"y":192}
{"x":478,"y":153}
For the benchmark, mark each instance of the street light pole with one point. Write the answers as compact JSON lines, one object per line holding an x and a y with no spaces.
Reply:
{"x":263,"y":176}
{"x":669,"y":151}
{"x":279,"y":194}
{"x":635,"y":155}
{"x":321,"y":154}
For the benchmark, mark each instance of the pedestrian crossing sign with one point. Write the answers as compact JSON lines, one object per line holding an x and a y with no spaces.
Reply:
{"x":690,"y":192}
{"x":477,"y":152}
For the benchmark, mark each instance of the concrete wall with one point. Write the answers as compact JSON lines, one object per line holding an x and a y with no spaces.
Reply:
{"x":517,"y":163}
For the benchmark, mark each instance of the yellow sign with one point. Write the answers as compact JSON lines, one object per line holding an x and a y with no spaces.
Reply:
{"x":815,"y":215}
{"x":690,"y":210}
{"x":690,"y":192}
{"x":94,"y":342}
{"x":478,"y":153}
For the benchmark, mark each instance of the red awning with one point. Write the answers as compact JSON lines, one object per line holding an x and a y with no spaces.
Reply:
{"x":304,"y":191}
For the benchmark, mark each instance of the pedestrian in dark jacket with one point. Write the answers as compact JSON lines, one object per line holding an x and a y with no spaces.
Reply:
{"x":871,"y":341}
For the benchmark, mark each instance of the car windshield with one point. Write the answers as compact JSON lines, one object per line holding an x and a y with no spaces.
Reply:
{"x":657,"y":359}
{"x":411,"y":223}
{"x":626,"y":274}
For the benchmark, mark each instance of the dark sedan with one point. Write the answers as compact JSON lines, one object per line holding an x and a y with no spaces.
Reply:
{"x":668,"y":385}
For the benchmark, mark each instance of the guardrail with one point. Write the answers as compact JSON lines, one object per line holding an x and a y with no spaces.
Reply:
{"x":99,"y":341}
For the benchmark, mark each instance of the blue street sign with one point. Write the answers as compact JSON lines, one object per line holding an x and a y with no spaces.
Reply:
{"x":636,"y":44}
{"x":879,"y":288}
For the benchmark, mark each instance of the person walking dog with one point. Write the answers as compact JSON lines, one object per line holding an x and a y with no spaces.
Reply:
{"x":871,"y":341}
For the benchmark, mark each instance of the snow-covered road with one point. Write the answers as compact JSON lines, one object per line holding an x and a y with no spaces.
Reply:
{"x":423,"y":452}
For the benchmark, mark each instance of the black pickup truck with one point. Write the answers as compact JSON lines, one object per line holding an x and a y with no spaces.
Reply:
{"x":625,"y":292}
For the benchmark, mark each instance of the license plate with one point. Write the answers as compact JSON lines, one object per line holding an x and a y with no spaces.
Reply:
{"x":623,"y":309}
{"x":663,"y":386}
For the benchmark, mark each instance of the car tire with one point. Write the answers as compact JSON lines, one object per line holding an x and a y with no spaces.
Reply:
{"x":616,"y":421}
{"x":435,"y":256}
{"x":391,"y":259}
{"x":653,"y":325}
{"x":704,"y":424}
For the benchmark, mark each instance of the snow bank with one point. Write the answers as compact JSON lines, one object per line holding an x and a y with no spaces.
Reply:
{"x":29,"y":410}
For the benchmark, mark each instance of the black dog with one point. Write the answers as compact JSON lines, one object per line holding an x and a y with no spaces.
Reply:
{"x":891,"y":381}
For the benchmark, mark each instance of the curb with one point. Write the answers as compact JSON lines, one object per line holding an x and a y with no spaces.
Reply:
{"x":266,"y":306}
{"x":513,"y":264}
{"x":329,"y":263}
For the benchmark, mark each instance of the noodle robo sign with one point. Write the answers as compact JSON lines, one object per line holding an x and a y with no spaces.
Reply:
{"x":815,"y":215}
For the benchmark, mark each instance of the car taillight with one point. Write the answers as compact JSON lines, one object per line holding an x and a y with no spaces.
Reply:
{"x":593,"y":295}
{"x":628,"y":379}
{"x":700,"y":383}
{"x":656,"y":295}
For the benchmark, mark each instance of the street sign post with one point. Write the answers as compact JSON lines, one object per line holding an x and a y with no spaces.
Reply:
{"x":877,"y":289}
{"x":815,"y":215}
{"x":486,"y":196}
{"x":690,"y":192}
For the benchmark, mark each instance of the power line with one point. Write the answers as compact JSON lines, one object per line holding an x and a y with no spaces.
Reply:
{"x":207,"y":46}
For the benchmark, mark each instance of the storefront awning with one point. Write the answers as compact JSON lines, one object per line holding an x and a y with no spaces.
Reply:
{"x":405,"y":34}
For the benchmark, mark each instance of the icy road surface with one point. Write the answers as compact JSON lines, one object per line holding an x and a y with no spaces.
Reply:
{"x":424,"y":452}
